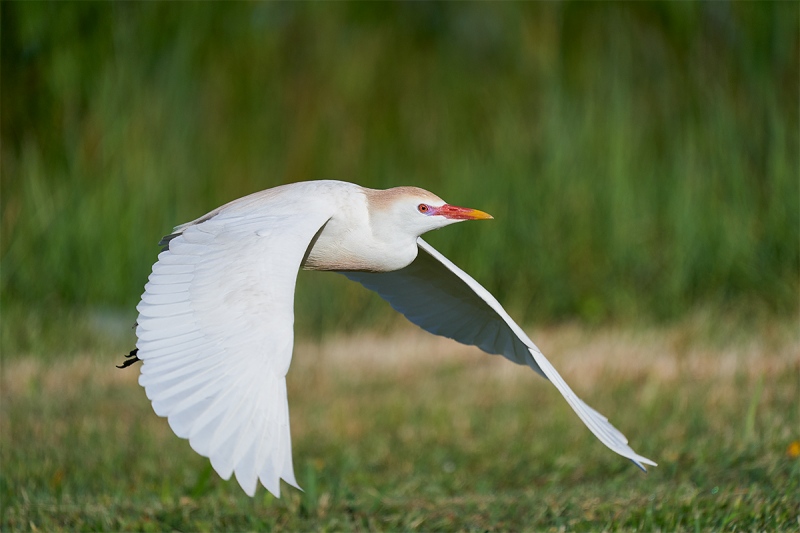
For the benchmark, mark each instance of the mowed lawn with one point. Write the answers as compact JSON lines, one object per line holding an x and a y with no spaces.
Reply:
{"x":412,"y":432}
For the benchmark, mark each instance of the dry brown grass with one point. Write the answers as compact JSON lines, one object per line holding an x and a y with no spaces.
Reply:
{"x":586,"y":358}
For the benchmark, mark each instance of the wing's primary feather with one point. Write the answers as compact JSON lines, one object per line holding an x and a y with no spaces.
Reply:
{"x":439,"y":297}
{"x":215,"y":337}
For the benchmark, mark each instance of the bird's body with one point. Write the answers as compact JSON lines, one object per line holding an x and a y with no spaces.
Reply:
{"x":216,"y":318}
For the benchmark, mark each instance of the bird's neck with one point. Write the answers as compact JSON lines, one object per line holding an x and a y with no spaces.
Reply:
{"x":356,"y":241}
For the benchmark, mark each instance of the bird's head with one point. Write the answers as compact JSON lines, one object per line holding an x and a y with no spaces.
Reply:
{"x":417,"y":211}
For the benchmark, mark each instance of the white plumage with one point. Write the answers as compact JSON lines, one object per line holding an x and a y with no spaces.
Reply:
{"x":215,"y":327}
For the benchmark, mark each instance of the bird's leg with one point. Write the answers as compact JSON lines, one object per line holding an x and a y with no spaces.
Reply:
{"x":130,"y":359}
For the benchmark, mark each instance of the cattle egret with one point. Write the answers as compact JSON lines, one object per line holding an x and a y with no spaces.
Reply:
{"x":215,"y":320}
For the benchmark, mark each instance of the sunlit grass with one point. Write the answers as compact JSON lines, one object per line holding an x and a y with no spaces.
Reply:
{"x":417,"y":432}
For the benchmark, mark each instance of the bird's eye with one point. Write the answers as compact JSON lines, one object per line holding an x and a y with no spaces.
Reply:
{"x":423,"y":208}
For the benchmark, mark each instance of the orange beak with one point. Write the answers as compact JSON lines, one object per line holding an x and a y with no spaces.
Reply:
{"x":461,"y":213}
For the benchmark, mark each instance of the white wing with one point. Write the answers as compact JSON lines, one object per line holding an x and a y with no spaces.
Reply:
{"x":439,"y":297}
{"x":215,"y":337}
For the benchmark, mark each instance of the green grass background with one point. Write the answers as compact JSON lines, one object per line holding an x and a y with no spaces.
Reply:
{"x":641,"y":159}
{"x":641,"y":162}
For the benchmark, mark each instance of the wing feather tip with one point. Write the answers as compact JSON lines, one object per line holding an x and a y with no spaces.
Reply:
{"x":248,"y":482}
{"x":640,"y":461}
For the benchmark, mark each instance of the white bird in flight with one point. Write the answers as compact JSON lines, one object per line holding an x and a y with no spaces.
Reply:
{"x":215,"y":321}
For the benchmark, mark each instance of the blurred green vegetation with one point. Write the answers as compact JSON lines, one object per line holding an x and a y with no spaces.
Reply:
{"x":641,"y":159}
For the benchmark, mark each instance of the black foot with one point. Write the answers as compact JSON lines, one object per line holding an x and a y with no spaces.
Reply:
{"x":130,"y":359}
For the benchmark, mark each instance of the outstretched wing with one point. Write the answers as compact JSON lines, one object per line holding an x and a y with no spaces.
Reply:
{"x":439,"y":297}
{"x":215,"y":334}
